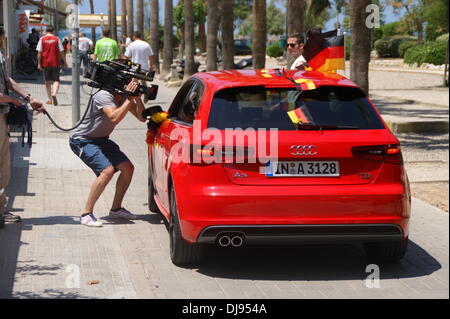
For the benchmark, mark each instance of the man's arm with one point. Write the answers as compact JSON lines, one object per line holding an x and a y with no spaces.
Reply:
{"x":137,"y":108}
{"x":117,"y":114}
{"x":35,"y":104}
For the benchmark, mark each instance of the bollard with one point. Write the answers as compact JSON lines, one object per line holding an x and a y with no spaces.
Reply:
{"x":173,"y":72}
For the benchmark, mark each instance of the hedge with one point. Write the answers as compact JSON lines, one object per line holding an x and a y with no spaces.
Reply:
{"x":275,"y":50}
{"x":404,"y":46}
{"x":389,"y":47}
{"x":430,"y":52}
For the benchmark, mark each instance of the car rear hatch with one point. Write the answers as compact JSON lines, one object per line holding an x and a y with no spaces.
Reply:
{"x":340,"y":139}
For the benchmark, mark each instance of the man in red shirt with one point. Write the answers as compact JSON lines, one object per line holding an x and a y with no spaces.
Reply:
{"x":50,"y":53}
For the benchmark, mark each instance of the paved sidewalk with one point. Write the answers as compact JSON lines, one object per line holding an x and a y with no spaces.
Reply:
{"x":46,"y":254}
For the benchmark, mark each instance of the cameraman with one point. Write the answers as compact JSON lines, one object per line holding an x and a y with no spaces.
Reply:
{"x":90,"y":141}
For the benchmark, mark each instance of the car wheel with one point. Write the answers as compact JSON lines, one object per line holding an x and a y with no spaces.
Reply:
{"x":387,"y":251}
{"x":152,"y":206}
{"x":181,"y":252}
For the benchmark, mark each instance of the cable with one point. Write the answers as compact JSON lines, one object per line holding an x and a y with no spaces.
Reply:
{"x":79,"y":122}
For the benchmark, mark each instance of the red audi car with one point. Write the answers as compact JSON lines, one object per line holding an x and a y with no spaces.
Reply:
{"x":271,"y":156}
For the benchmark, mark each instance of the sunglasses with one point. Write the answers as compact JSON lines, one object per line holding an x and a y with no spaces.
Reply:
{"x":292,"y":45}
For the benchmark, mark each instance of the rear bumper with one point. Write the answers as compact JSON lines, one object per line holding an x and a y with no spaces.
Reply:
{"x":291,"y":234}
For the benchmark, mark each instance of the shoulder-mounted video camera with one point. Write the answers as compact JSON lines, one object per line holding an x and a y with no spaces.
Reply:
{"x":114,"y":76}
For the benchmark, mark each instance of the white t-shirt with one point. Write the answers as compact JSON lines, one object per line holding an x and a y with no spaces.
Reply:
{"x":139,"y":51}
{"x":297,"y":62}
{"x":84,"y":44}
{"x":128,"y":41}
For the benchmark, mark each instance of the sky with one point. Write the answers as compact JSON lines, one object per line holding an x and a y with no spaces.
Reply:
{"x":102,"y":7}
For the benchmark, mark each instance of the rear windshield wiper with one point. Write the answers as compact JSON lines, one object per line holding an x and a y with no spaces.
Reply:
{"x":318,"y":127}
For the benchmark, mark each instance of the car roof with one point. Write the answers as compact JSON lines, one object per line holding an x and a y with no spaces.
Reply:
{"x":218,"y":80}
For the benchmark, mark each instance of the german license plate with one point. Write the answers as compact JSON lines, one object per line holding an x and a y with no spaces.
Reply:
{"x":302,"y":169}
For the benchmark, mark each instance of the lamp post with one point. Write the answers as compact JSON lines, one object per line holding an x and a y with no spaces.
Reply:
{"x":73,"y":24}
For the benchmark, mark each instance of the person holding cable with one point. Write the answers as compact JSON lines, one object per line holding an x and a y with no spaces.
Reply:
{"x":50,"y":54}
{"x":6,"y":101}
{"x":90,"y":142}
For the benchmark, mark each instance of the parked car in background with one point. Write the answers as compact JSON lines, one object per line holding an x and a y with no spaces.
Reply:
{"x":242,"y":47}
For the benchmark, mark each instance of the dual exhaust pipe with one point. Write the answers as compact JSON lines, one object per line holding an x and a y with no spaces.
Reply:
{"x":235,"y":240}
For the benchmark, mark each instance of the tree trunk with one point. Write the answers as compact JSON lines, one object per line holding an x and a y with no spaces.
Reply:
{"x":360,"y":44}
{"x":140,"y":17}
{"x":93,"y":35}
{"x":202,"y":37}
{"x":259,"y":33}
{"x":227,"y":34}
{"x":113,"y":28}
{"x":154,"y":28}
{"x":168,"y":37}
{"x":295,"y":16}
{"x":189,"y":39}
{"x":211,"y":40}
{"x":123,"y":17}
{"x":110,"y":15}
{"x":130,"y":17}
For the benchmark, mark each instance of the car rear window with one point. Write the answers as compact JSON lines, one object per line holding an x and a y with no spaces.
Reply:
{"x":266,"y":107}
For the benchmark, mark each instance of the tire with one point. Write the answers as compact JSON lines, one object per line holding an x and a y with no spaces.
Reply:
{"x":392,"y":251}
{"x":182,"y":253}
{"x":152,"y":206}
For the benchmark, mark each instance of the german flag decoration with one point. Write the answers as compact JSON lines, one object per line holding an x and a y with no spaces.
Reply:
{"x":297,"y":116}
{"x":324,"y":52}
{"x":306,"y":84}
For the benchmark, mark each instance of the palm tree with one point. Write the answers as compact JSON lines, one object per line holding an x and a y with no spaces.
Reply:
{"x":154,"y":29}
{"x":189,"y":38}
{"x":130,"y":17}
{"x":295,"y":16}
{"x":113,"y":25}
{"x":360,"y":44}
{"x":93,"y":35}
{"x":140,"y":16}
{"x":168,"y":36}
{"x":123,"y":22}
{"x":211,"y":39}
{"x":227,"y":34}
{"x":259,"y":33}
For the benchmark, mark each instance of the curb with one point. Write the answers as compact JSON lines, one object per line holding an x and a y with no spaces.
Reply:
{"x":419,"y":127}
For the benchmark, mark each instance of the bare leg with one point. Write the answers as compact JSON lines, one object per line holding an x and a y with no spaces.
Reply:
{"x":48,"y":88}
{"x":123,"y":181}
{"x":97,"y":188}
{"x":55,"y":88}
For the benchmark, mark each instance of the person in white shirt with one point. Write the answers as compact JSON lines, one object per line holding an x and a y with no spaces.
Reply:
{"x":141,"y":53}
{"x":295,"y":47}
{"x":85,"y":46}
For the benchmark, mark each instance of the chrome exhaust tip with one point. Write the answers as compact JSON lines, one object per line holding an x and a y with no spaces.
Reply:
{"x":237,"y":241}
{"x":224,"y":241}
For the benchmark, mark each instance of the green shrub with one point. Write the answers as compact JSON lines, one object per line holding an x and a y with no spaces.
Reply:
{"x":275,"y":50}
{"x":430,"y":52}
{"x":405,"y":45}
{"x":382,"y":48}
{"x":389,"y":47}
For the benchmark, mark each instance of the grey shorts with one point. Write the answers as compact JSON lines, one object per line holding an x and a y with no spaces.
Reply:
{"x":51,"y":74}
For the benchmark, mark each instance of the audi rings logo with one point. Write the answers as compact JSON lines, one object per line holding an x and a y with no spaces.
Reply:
{"x":300,"y":150}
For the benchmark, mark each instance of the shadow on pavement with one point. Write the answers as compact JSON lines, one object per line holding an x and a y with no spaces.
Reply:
{"x":310,"y":262}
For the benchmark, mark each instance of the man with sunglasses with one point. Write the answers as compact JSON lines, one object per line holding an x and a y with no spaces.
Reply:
{"x":295,"y":47}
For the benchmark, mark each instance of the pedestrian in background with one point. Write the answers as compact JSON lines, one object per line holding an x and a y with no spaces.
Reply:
{"x":141,"y":53}
{"x":50,"y":54}
{"x":295,"y":46}
{"x":6,"y":101}
{"x":106,"y":49}
{"x":85,"y":47}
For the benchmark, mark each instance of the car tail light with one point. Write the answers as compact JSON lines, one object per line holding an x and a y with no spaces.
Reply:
{"x":209,"y":154}
{"x":383,"y":153}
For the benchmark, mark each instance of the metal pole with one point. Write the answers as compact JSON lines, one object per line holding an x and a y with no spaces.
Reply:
{"x":75,"y":66}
